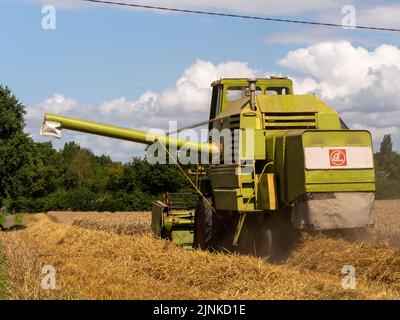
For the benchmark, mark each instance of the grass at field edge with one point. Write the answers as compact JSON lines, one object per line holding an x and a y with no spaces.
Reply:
{"x":3,"y":278}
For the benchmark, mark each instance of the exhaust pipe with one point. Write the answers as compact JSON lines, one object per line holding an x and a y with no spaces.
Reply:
{"x":252,"y":89}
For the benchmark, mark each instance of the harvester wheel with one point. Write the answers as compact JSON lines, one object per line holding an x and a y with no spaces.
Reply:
{"x":203,"y":224}
{"x":269,"y":239}
{"x":247,"y":239}
{"x":276,"y":237}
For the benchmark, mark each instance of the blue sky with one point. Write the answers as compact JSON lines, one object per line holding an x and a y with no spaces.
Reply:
{"x":102,"y":52}
{"x":99,"y":54}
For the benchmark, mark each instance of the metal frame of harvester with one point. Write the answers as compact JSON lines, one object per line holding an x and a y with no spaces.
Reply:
{"x":297,"y":166}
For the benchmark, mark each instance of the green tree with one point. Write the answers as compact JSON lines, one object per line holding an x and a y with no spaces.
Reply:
{"x":387,"y":168}
{"x":153,"y":179}
{"x":68,"y":152}
{"x":36,"y":177}
{"x":80,"y":169}
{"x":17,"y":166}
{"x":18,"y":162}
{"x":386,"y":146}
{"x":49,"y":170}
{"x":115,"y":177}
{"x":11,"y":114}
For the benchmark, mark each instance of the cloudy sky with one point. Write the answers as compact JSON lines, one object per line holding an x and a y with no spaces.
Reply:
{"x":140,"y":68}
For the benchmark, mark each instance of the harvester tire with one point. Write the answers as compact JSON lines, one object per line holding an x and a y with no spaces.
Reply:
{"x":247,"y":238}
{"x":268,"y":240}
{"x":276,"y":237}
{"x":203,"y":224}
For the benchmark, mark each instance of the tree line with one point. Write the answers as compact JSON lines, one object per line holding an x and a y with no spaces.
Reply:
{"x":36,"y":177}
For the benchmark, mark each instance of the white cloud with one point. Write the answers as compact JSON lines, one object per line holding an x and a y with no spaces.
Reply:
{"x":56,"y":104}
{"x":304,"y":85}
{"x":361,"y":84}
{"x":342,"y":70}
{"x":304,"y":36}
{"x":308,"y":35}
{"x":379,"y":16}
{"x":367,"y":13}
{"x":373,"y":13}
{"x":192,"y":91}
{"x":121,"y":107}
{"x":187,"y":103}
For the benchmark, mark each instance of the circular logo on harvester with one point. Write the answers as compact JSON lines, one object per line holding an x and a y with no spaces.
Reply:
{"x":337,"y":157}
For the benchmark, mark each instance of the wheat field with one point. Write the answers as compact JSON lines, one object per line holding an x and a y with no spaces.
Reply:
{"x":115,"y":256}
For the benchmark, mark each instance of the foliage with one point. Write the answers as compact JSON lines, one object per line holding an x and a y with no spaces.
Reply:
{"x":80,"y":169}
{"x":18,"y":153}
{"x":387,"y":166}
{"x":11,"y":114}
{"x":35,"y":177}
{"x":2,"y":220}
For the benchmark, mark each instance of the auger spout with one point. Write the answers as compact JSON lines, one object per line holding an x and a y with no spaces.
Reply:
{"x":53,"y":124}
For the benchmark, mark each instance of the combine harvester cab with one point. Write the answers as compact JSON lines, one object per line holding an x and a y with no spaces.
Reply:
{"x":285,"y":162}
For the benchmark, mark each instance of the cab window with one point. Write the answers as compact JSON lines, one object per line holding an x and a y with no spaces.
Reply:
{"x":238,"y":92}
{"x":277,"y":90}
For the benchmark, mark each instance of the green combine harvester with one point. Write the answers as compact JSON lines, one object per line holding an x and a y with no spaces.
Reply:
{"x":278,"y":162}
